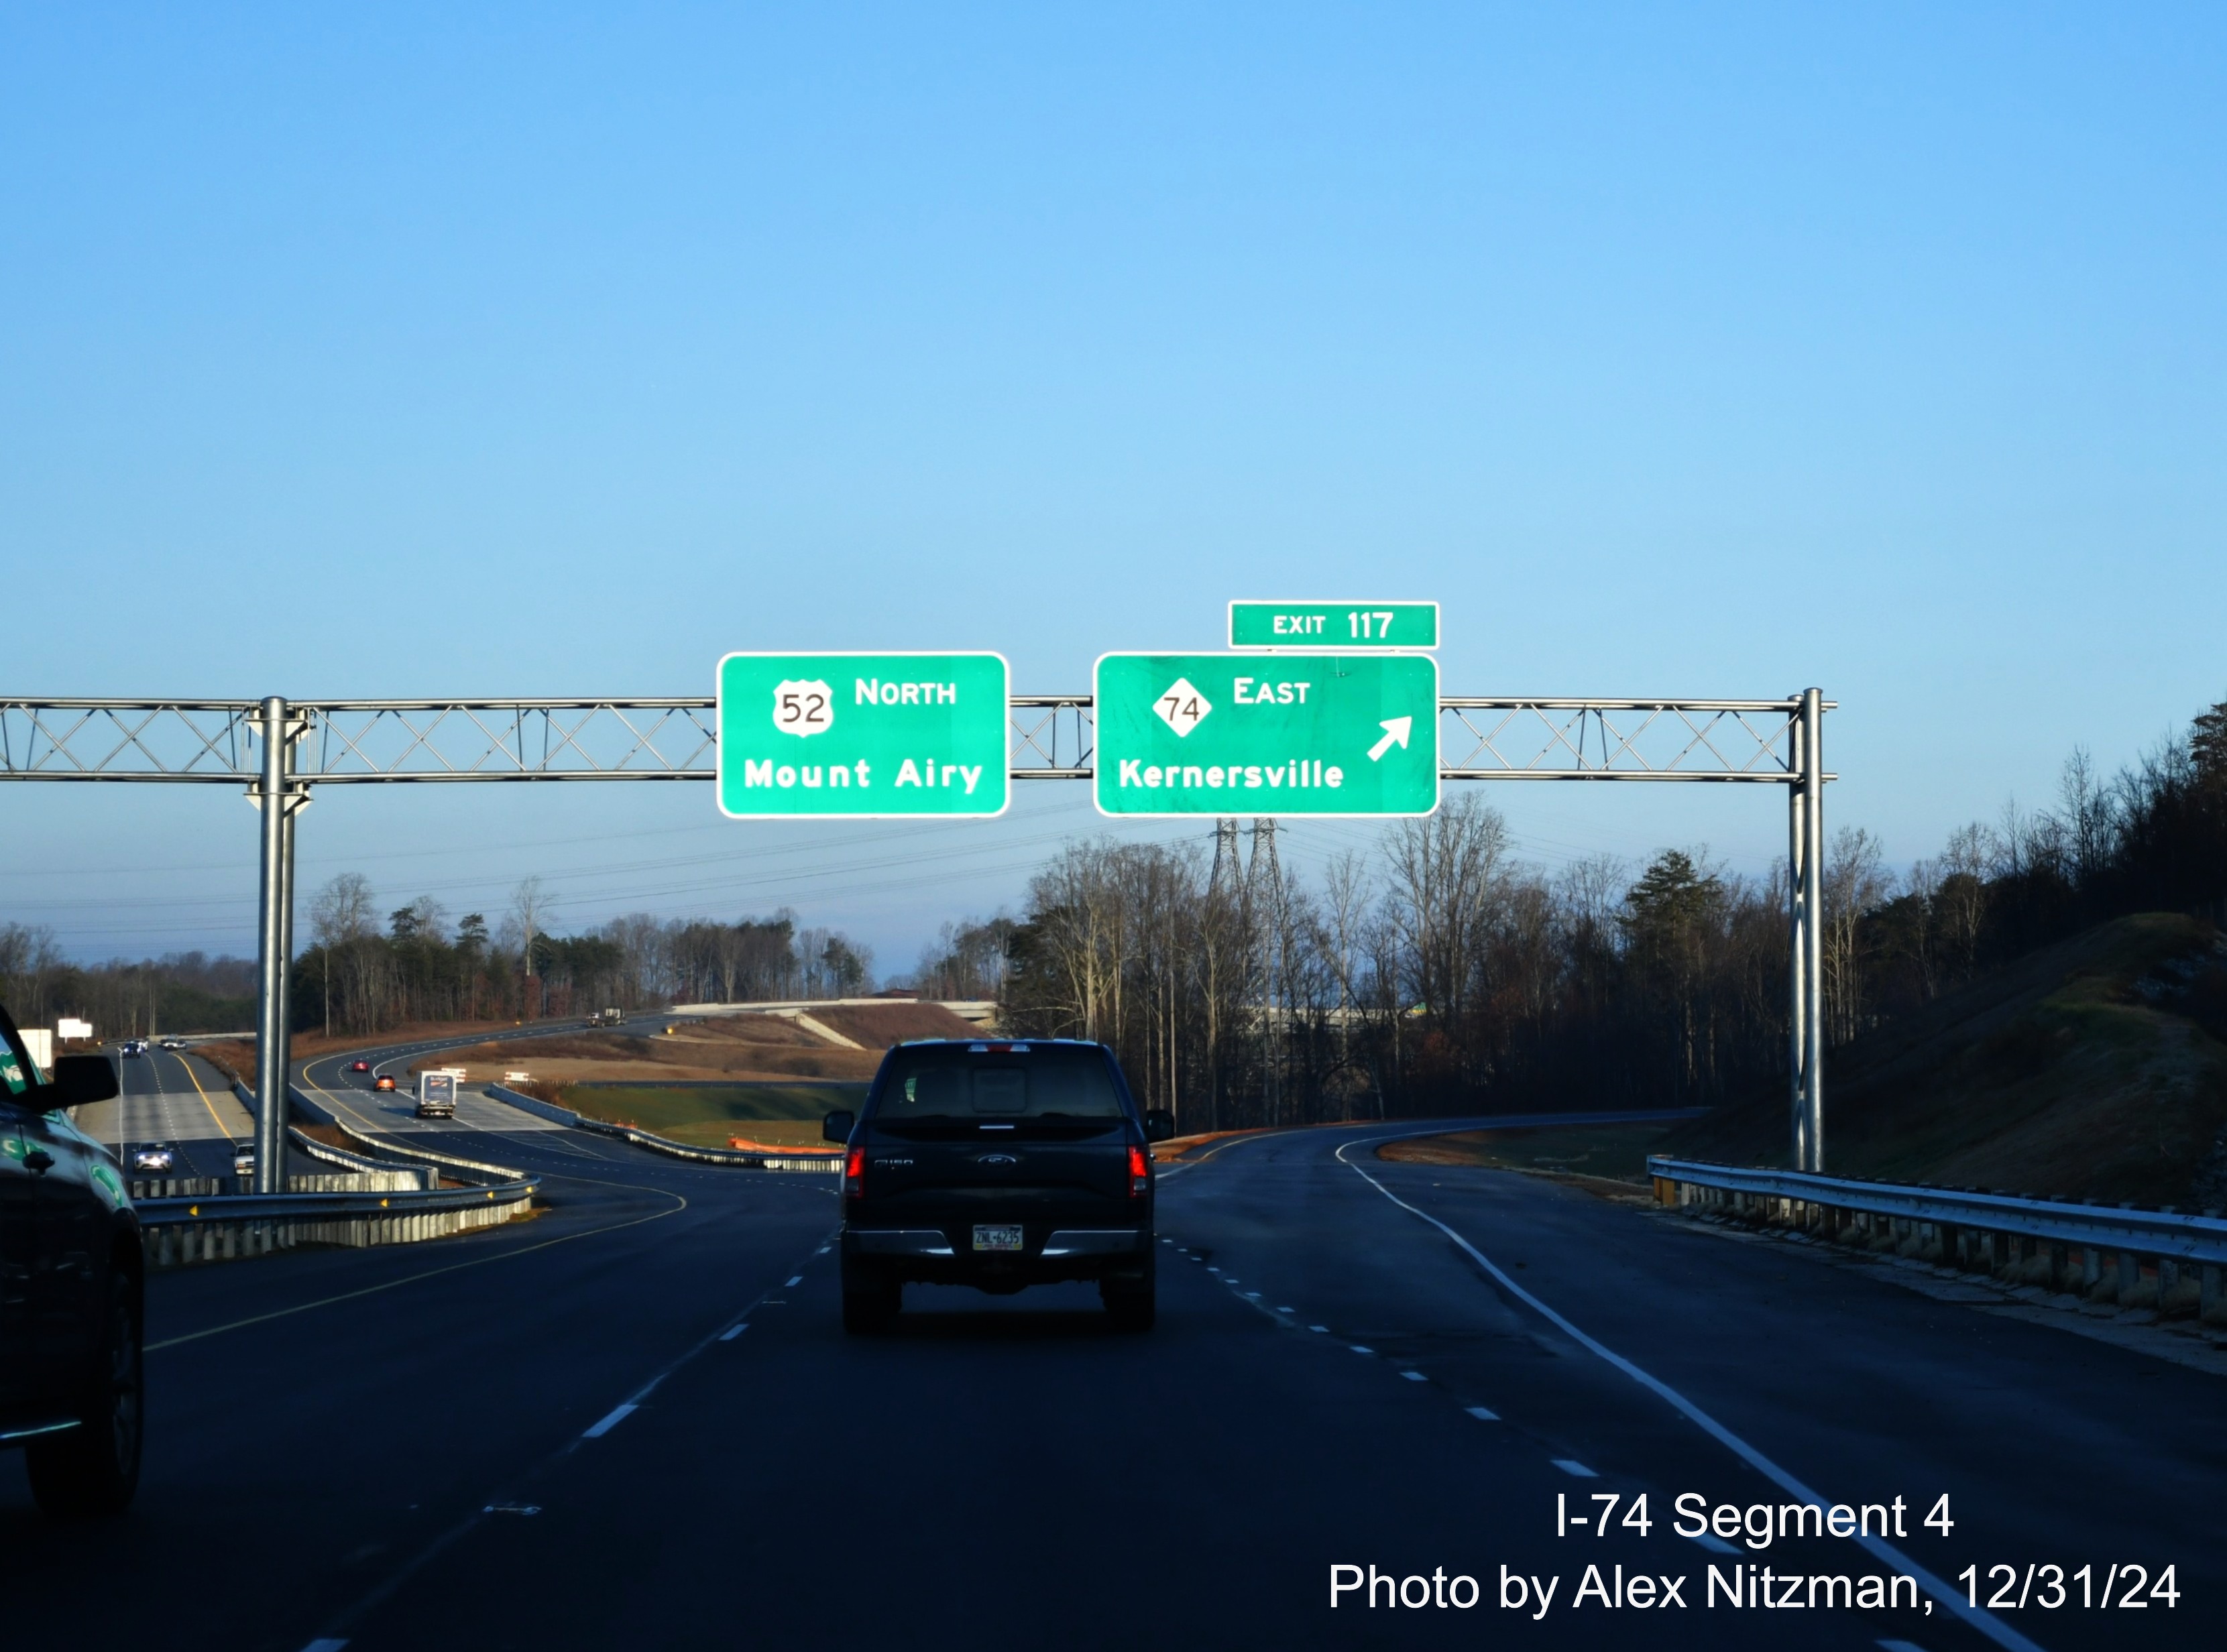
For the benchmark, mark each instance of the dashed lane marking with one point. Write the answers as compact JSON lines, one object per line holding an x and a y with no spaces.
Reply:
{"x":1571,"y":1465}
{"x":1985,"y":1622}
{"x":1358,"y":1349}
{"x":733,"y":1331}
{"x":1319,"y":1331}
{"x":1483,"y":1415}
{"x":680,"y":1203}
{"x":611,"y":1419}
{"x":1718,"y":1545}
{"x":324,"y":1646}
{"x":793,"y":1283}
{"x":1414,"y":1377}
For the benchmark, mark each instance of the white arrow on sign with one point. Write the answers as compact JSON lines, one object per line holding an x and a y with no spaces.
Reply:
{"x":1395,"y":734}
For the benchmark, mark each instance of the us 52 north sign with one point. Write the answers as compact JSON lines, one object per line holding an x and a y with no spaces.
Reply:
{"x":862,"y":736}
{"x":1247,"y":734}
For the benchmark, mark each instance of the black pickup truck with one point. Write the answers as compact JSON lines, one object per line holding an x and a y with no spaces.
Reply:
{"x":997,"y":1164}
{"x":70,"y":1275}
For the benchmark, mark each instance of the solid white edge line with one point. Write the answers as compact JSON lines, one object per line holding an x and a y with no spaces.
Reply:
{"x":617,"y":1416}
{"x":1981,"y":1619}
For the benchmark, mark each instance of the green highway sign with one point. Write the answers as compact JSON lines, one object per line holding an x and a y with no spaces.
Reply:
{"x":1190,"y":734}
{"x":1345,"y":625}
{"x":862,"y":736}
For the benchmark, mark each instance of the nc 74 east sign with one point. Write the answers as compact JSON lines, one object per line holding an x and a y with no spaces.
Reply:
{"x":859,"y":736}
{"x":1247,"y":734}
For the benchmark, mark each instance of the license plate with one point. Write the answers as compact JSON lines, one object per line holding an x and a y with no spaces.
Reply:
{"x":991,"y":1238}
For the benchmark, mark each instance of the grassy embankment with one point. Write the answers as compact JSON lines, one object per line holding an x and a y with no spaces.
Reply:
{"x":762,"y":1078}
{"x":2096,"y":1068}
{"x":2092,"y":1069}
{"x":1613,"y":1157}
{"x":712,"y":1115}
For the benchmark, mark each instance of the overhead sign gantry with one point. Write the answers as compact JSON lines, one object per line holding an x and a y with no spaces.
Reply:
{"x":1371,"y":710}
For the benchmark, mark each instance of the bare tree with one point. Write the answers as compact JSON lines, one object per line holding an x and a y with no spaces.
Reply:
{"x":529,"y":905}
{"x":1856,"y":884}
{"x":1445,"y":873}
{"x":341,"y":918}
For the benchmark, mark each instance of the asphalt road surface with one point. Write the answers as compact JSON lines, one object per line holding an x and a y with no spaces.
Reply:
{"x":171,"y":1096}
{"x":635,"y":1421}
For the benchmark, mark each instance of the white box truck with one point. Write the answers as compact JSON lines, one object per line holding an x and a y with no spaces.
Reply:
{"x":436,"y":1094}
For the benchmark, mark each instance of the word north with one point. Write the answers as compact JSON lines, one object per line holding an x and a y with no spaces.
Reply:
{"x":871,"y":691}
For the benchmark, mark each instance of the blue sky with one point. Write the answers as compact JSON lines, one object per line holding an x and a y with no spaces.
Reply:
{"x":1696,"y":350}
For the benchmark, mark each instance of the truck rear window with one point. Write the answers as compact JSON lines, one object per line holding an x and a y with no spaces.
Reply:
{"x":1048,"y":1081}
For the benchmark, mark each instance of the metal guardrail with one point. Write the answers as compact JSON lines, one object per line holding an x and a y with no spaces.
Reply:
{"x":2147,"y":1233}
{"x":2096,"y":1251}
{"x":319,"y":1207}
{"x":356,"y":1164}
{"x":188,"y":1229}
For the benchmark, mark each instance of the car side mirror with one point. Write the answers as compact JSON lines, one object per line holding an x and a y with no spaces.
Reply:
{"x":836,"y":1126}
{"x":1160,"y":1125}
{"x":81,"y":1079}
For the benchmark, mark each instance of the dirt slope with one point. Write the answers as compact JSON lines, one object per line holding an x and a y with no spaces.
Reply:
{"x":879,"y":1025}
{"x":2096,"y":1068}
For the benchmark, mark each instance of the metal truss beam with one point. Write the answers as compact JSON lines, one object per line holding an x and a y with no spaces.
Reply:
{"x":1052,"y":737}
{"x":279,"y":750}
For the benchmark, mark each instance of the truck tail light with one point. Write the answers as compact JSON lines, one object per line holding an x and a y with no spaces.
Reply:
{"x":1140,"y":1173}
{"x":854,"y":1174}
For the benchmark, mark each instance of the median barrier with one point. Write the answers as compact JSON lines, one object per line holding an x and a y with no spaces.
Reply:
{"x":177,"y":1232}
{"x":173,"y":1187}
{"x":377,"y":1177}
{"x":754,"y":1161}
{"x":2166,"y":1259}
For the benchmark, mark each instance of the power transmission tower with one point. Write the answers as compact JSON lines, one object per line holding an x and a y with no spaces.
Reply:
{"x":1224,"y":877}
{"x":1264,"y":900}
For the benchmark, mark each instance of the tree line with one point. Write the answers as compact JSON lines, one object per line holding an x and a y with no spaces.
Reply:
{"x":1441,"y":974}
{"x":187,"y":991}
{"x":1437,"y":973}
{"x":364,"y":971}
{"x":360,"y":975}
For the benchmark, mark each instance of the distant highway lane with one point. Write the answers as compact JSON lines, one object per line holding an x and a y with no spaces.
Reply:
{"x":172,"y":1096}
{"x":556,"y":1435}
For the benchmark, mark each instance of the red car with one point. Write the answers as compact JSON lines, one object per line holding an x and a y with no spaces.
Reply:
{"x":384,"y":1081}
{"x":359,"y":1066}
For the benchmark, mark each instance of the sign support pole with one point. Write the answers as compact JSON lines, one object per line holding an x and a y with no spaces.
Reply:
{"x":274,"y":934}
{"x":1806,"y":908}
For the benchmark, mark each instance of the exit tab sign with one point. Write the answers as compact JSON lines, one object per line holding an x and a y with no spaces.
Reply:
{"x":1341,"y":625}
{"x":857,"y":736}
